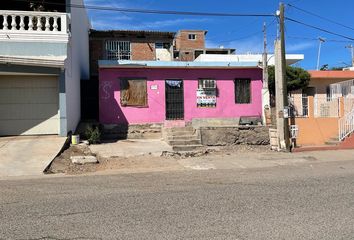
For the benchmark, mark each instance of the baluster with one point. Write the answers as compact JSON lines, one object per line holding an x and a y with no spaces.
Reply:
{"x":22,"y":22}
{"x":39,"y":24}
{"x":55,"y":24}
{"x":47,"y":24}
{"x":13,"y":23}
{"x":30,"y":23}
{"x":5,"y":24}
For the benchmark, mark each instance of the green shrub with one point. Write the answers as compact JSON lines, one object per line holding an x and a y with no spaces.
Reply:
{"x":93,"y":134}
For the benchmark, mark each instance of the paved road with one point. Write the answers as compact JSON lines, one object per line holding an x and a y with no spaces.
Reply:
{"x":310,"y":201}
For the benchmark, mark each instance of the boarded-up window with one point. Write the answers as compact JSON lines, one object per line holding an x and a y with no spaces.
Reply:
{"x":133,"y":92}
{"x":243,"y":90}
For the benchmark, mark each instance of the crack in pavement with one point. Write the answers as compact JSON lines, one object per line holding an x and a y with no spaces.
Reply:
{"x":4,"y":143}
{"x":66,"y":214}
{"x":55,"y":238}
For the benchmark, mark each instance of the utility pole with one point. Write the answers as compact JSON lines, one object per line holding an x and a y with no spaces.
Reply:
{"x":321,"y":40}
{"x":351,"y":47}
{"x":282,"y":108}
{"x":265,"y":90}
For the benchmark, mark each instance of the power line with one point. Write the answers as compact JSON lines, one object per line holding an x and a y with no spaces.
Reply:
{"x":320,"y":29}
{"x":249,"y":35}
{"x":316,"y":39}
{"x":319,"y":16}
{"x":153,"y":11}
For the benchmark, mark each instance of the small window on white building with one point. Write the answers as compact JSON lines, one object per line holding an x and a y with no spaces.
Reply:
{"x":118,"y":50}
{"x":192,"y":36}
{"x":161,"y":45}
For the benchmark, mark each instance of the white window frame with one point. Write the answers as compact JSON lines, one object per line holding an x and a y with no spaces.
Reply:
{"x":192,"y":34}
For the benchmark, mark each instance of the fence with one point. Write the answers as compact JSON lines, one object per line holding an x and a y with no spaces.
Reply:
{"x":29,"y":22}
{"x":348,"y":104}
{"x":346,"y":125}
{"x":325,"y":108}
{"x":342,"y":89}
{"x":299,"y":104}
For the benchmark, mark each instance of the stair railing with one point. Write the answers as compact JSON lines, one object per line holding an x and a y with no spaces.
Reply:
{"x":346,"y":125}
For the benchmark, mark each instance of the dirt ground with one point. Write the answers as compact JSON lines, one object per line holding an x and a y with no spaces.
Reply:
{"x":63,"y":164}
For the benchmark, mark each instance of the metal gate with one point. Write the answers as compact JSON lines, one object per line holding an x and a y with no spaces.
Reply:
{"x":174,"y":100}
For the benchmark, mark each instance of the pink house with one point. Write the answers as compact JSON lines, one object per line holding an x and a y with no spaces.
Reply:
{"x":141,"y":92}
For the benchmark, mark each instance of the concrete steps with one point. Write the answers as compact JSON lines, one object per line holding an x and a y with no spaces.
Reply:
{"x":333,"y":141}
{"x":183,"y":139}
{"x":180,"y":129}
{"x":184,"y":142}
{"x":187,"y":148}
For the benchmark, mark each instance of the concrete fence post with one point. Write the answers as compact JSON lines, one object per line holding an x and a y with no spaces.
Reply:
{"x":311,"y":107}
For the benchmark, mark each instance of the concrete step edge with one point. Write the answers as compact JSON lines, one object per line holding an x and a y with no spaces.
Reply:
{"x":187,"y":148}
{"x":185,"y":143}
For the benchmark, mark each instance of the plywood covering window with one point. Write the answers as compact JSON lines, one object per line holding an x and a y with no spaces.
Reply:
{"x":133,"y":92}
{"x":243,"y":90}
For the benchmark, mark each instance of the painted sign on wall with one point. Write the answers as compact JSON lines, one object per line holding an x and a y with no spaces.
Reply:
{"x":206,"y":97}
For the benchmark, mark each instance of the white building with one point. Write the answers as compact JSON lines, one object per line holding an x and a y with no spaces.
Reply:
{"x":43,"y":56}
{"x":290,"y":58}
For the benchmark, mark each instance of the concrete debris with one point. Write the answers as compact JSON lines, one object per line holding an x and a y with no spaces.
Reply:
{"x":184,"y":154}
{"x":80,"y":160}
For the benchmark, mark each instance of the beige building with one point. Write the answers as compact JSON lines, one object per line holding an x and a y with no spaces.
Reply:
{"x":322,"y":107}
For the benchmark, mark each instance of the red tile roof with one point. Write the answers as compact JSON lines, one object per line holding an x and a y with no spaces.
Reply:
{"x":332,"y":74}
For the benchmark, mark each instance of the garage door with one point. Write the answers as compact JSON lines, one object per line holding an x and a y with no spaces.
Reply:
{"x":29,"y":105}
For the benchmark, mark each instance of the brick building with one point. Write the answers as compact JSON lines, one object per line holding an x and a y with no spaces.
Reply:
{"x":189,"y":44}
{"x":129,"y":45}
{"x":186,"y":45}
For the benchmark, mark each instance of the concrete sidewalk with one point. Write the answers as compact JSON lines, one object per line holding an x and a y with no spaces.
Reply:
{"x":145,"y":155}
{"x":28,"y":156}
{"x":261,"y":160}
{"x":131,"y":148}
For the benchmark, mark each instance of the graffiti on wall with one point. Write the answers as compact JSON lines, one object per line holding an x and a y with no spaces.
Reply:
{"x":106,"y":88}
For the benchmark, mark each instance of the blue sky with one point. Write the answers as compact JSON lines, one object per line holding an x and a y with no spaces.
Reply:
{"x":243,"y":33}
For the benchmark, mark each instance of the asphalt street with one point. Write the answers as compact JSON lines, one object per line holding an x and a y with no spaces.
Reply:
{"x":309,"y":201}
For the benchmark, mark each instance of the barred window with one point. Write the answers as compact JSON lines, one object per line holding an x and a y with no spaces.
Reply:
{"x":118,"y":50}
{"x":206,"y":83}
{"x":133,"y":92}
{"x":243,"y":90}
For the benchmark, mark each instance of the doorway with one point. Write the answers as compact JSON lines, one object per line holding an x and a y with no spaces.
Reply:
{"x":174,"y":99}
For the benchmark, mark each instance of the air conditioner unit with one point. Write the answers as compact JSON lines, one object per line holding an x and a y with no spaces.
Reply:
{"x":209,"y":84}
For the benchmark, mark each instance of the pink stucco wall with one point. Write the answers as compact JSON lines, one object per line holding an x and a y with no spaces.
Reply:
{"x":112,"y":112}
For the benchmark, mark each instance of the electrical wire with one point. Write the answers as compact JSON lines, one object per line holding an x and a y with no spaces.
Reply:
{"x":249,"y":35}
{"x":320,"y":29}
{"x":153,"y":11}
{"x":319,"y":16}
{"x":316,"y":39}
